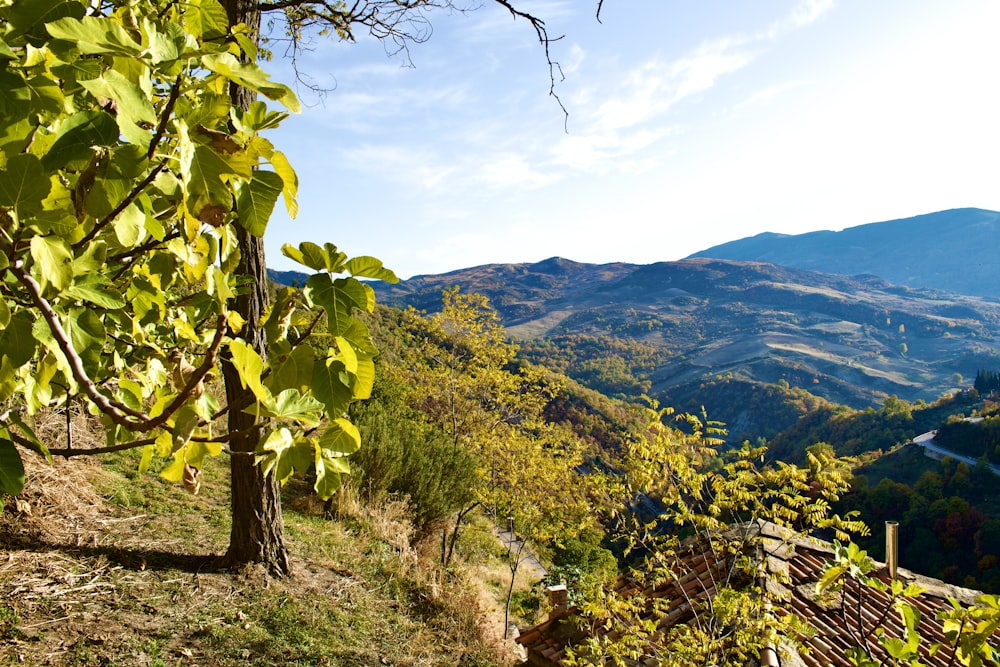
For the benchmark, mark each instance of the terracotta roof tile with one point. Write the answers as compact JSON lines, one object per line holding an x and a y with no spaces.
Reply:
{"x":796,"y":564}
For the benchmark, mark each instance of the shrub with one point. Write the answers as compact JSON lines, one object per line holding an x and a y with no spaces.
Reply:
{"x":401,"y":455}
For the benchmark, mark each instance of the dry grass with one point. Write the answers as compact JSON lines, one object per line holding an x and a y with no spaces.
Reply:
{"x":101,"y":567}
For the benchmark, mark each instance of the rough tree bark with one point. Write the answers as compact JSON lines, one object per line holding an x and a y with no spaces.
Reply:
{"x":257,"y":533}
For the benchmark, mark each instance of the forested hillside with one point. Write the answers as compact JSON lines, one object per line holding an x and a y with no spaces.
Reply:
{"x":668,"y":329}
{"x":939,"y":504}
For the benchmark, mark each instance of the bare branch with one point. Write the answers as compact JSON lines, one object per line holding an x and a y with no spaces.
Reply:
{"x":121,"y":414}
{"x":129,"y":198}
{"x":196,"y":378}
{"x":134,"y":444}
{"x":395,"y":23}
{"x":168,"y":110}
{"x":543,"y":38}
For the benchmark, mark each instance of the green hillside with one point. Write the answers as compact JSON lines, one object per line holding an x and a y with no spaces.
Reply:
{"x":668,"y":328}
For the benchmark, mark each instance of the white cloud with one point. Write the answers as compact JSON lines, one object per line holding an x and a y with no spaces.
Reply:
{"x":410,"y":166}
{"x":806,"y":12}
{"x":572,"y":64}
{"x":700,"y":71}
{"x":766,"y":94}
{"x":513,"y":171}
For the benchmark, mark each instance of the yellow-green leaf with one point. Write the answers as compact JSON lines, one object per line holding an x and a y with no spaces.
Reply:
{"x":256,"y":201}
{"x":249,"y":366}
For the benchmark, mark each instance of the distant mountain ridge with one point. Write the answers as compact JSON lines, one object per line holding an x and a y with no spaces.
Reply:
{"x":736,"y":336}
{"x":956,"y":250}
{"x":848,"y":339}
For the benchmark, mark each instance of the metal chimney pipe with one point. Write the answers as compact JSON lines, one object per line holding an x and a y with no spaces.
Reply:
{"x":892,"y":547}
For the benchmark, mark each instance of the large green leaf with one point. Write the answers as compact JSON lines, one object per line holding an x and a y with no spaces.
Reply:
{"x":86,"y":329}
{"x":16,"y":341}
{"x":341,"y":438}
{"x":23,"y":184}
{"x":28,"y":17}
{"x":251,"y":77}
{"x":147,"y":458}
{"x":319,"y":258}
{"x":132,"y":104}
{"x":167,"y":44}
{"x":129,"y":226}
{"x":291,"y":404}
{"x":77,"y":71}
{"x":331,"y":384}
{"x":328,"y":473}
{"x":278,"y":319}
{"x":185,"y":422}
{"x":78,"y":135}
{"x":346,"y":354}
{"x":206,"y":19}
{"x":54,"y":260}
{"x":322,"y":291}
{"x":44,"y":94}
{"x":256,"y":201}
{"x":284,"y":454}
{"x":361,"y":294}
{"x":360,"y":339}
{"x":370,"y":267}
{"x":338,"y":441}
{"x":11,"y":468}
{"x":289,"y":180}
{"x":95,"y":35}
{"x":295,"y":371}
{"x":207,"y":169}
{"x":365,"y":379}
{"x":249,"y":366}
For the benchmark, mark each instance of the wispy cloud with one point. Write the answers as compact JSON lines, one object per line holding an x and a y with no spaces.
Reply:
{"x":619,"y":121}
{"x":806,"y":12}
{"x":513,"y":171}
{"x":632,"y":112}
{"x":701,"y":70}
{"x":401,"y":164}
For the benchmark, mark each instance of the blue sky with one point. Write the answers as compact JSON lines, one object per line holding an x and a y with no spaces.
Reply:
{"x":691,"y":123}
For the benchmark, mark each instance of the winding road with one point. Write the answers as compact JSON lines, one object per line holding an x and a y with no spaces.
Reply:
{"x":926,"y":440}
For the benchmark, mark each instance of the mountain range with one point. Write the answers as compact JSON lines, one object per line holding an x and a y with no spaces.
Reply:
{"x":956,"y":250}
{"x":720,"y":333}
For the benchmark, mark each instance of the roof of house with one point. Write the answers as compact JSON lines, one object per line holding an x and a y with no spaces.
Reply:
{"x":794,"y":564}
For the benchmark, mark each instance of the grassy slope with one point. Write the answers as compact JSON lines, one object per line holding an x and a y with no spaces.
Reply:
{"x":100,"y":569}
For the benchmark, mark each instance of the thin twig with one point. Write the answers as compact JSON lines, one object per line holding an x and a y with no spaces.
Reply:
{"x":168,"y":110}
{"x":121,"y":414}
{"x":122,"y":205}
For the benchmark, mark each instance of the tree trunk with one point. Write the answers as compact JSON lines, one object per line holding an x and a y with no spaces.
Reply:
{"x":257,"y":534}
